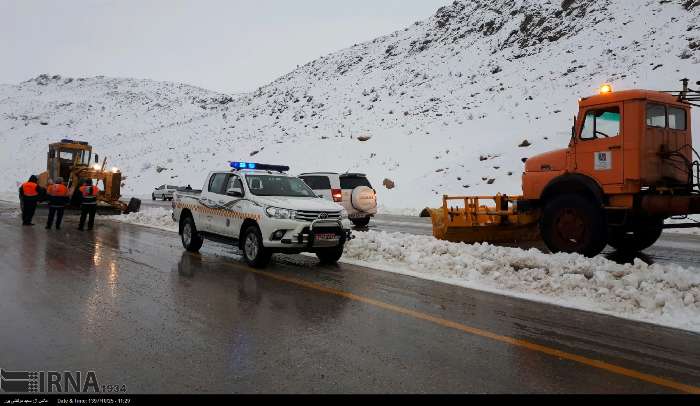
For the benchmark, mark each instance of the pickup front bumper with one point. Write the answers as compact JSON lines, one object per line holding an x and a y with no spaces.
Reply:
{"x":304,"y":236}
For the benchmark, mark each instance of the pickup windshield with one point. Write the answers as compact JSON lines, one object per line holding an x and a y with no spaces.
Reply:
{"x":266,"y":185}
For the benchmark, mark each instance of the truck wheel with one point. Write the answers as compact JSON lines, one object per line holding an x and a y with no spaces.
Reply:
{"x":191,"y":239}
{"x":640,"y":237}
{"x":254,"y":252}
{"x":573,"y":223}
{"x":362,"y":222}
{"x":330,"y":255}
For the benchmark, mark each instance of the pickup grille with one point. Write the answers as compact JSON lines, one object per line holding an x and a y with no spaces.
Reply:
{"x":305,"y":215}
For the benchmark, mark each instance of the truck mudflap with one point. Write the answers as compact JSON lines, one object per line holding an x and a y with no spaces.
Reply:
{"x":470,"y":221}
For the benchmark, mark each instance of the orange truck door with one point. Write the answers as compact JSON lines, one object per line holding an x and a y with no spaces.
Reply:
{"x":599,"y":145}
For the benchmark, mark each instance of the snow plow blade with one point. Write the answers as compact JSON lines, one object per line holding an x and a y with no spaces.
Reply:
{"x":470,"y":221}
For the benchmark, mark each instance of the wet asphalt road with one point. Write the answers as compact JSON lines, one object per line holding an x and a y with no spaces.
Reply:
{"x":128,"y":303}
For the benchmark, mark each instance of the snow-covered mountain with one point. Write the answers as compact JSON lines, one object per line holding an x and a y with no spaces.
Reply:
{"x":446,"y":103}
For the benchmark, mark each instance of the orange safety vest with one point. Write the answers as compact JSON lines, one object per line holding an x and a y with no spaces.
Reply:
{"x":30,"y":189}
{"x":59,"y":190}
{"x":86,"y":192}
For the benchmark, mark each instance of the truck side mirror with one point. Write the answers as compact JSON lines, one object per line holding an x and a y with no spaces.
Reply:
{"x":235,"y":192}
{"x":97,"y":159}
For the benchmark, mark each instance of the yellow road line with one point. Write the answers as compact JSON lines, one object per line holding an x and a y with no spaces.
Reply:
{"x":483,"y":333}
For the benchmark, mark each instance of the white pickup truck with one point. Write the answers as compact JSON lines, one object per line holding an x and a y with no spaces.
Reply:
{"x":262,"y":210}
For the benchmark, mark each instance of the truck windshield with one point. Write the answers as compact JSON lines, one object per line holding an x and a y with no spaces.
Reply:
{"x":264,"y":185}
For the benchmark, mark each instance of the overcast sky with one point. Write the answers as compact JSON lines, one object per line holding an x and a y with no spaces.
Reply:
{"x":224,"y":45}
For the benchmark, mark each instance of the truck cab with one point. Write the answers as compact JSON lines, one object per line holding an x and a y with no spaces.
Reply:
{"x":629,"y":165}
{"x":262,"y":210}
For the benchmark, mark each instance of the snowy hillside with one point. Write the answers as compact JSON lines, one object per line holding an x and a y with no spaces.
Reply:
{"x":446,"y":102}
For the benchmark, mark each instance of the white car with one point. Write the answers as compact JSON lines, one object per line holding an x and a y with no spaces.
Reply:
{"x":164,"y":192}
{"x":262,"y":210}
{"x":352,"y":190}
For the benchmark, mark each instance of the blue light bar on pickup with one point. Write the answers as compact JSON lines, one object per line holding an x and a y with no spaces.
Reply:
{"x":263,"y":167}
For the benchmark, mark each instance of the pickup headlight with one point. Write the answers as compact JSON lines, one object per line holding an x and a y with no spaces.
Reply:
{"x":279,"y":213}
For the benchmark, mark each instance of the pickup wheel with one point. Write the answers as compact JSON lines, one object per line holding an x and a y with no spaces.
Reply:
{"x":642,"y":235}
{"x":191,"y":239}
{"x":330,"y":255}
{"x":153,"y":196}
{"x":361,"y":222}
{"x":254,"y":252}
{"x":572,"y":223}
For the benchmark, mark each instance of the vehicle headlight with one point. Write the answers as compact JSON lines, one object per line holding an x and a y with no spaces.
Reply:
{"x":279,"y":213}
{"x":343,"y":214}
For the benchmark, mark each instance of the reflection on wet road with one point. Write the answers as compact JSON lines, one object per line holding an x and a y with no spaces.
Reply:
{"x":128,"y":303}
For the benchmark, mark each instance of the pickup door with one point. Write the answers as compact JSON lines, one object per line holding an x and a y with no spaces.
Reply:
{"x":231,"y":219}
{"x":212,"y":198}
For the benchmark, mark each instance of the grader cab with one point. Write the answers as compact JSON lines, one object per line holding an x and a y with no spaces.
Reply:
{"x":629,"y":166}
{"x":73,"y":161}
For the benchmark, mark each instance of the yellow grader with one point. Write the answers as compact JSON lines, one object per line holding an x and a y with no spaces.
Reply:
{"x":71,"y":160}
{"x":629,"y":166}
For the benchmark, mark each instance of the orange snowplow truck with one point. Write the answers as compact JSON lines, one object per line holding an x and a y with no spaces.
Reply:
{"x":629,"y":166}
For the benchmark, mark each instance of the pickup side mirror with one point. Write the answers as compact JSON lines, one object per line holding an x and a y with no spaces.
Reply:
{"x":235,"y":192}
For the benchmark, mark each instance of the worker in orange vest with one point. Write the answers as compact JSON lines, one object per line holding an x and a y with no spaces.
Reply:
{"x":29,"y":197}
{"x":88,"y":205}
{"x":58,"y":198}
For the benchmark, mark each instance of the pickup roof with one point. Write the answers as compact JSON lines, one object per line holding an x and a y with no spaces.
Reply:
{"x":262,"y":212}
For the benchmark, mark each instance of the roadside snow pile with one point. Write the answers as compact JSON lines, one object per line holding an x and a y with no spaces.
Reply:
{"x":11,"y":197}
{"x":662,"y":294}
{"x":687,"y":231}
{"x":156,"y":217}
{"x":395,"y":211}
{"x":11,"y":213}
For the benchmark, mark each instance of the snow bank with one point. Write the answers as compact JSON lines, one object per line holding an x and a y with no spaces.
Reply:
{"x":11,"y":197}
{"x":398,"y":211}
{"x":662,"y":294}
{"x":11,"y":213}
{"x":687,"y":231}
{"x":156,"y":217}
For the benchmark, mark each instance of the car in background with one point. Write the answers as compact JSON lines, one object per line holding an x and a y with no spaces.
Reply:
{"x":351,"y":190}
{"x":164,"y":192}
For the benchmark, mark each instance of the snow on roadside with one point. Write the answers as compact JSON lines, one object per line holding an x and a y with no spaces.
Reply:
{"x":394,"y":211}
{"x":662,"y":294}
{"x":154,"y":217}
{"x":11,"y":197}
{"x":687,"y":231}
